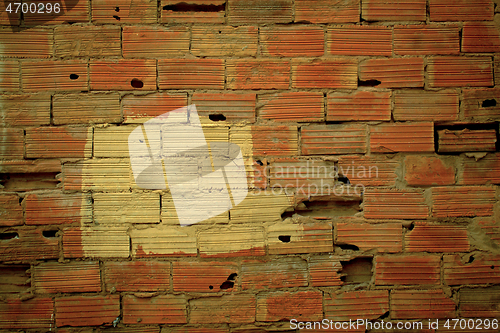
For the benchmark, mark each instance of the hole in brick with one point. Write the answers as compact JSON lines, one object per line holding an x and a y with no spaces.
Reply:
{"x":259,"y":162}
{"x":492,"y":267}
{"x":74,"y":76}
{"x":210,"y":287}
{"x":220,"y":31}
{"x":324,"y":207}
{"x":136,"y":83}
{"x":348,"y":247}
{"x":9,"y":235}
{"x":471,"y":259}
{"x":117,"y":9}
{"x":411,"y":226}
{"x":188,"y":7}
{"x":217,"y":117}
{"x":385,"y":315}
{"x":116,"y":17}
{"x":357,"y":270}
{"x":20,"y":200}
{"x":284,"y":239}
{"x":232,"y":276}
{"x":488,"y":103}
{"x":49,"y":233}
{"x":227,"y":285}
{"x":344,"y":179}
{"x":368,"y":83}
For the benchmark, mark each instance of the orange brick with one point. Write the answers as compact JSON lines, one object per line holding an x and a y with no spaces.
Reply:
{"x":154,"y":42}
{"x":75,"y":310}
{"x":466,"y":140}
{"x":478,"y":37}
{"x":137,"y":275}
{"x":163,"y":309}
{"x":356,"y":304}
{"x":234,"y":107}
{"x":327,"y":11}
{"x":437,"y":238}
{"x":191,"y":73}
{"x":478,"y":269}
{"x":481,"y":104}
{"x":258,"y":74}
{"x":234,"y":309}
{"x":393,"y":10}
{"x":138,"y":108}
{"x":359,"y":105}
{"x":224,"y":41}
{"x":301,"y":41}
{"x":463,"y":201}
{"x":259,"y":11}
{"x":483,"y":171}
{"x":87,"y":41}
{"x":30,"y":166}
{"x":428,"y":170}
{"x":86,"y":108}
{"x":333,"y":139}
{"x":207,"y":277}
{"x":369,"y":171}
{"x":197,"y":11}
{"x":54,"y":75}
{"x":301,"y":305}
{"x":479,"y":302}
{"x":9,"y":75}
{"x":49,"y":142}
{"x":25,"y":110}
{"x":12,"y":143}
{"x":122,"y":11}
{"x":71,"y":11}
{"x":36,"y":313}
{"x":395,"y":204}
{"x":292,"y":106}
{"x":28,"y":245}
{"x":461,"y":10}
{"x":407,"y":270}
{"x":426,"y":39}
{"x":123,"y":74}
{"x":491,"y":228}
{"x":287,"y":273}
{"x":325,"y":74}
{"x":360,"y":40}
{"x":54,"y":277}
{"x":421,"y":304}
{"x":36,"y":43}
{"x":11,"y":210}
{"x":497,"y":69}
{"x":287,"y":173}
{"x":426,"y":106}
{"x":402,"y":137}
{"x":381,"y":237}
{"x":324,"y":271}
{"x":57,"y":208}
{"x":274,"y":140}
{"x":393,"y":73}
{"x":288,"y":238}
{"x":459,"y":71}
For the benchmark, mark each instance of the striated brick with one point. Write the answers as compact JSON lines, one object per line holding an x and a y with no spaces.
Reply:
{"x":163,"y":309}
{"x":402,"y":137}
{"x":234,"y":309}
{"x":14,"y":279}
{"x":288,"y":238}
{"x":490,"y":227}
{"x":395,"y":204}
{"x":57,"y":208}
{"x":463,"y":201}
{"x":152,"y":242}
{"x":301,"y":305}
{"x":96,"y":242}
{"x":9,"y":76}
{"x":426,"y":39}
{"x":224,"y":41}
{"x":123,"y":74}
{"x":6,"y":18}
{"x":32,"y":43}
{"x":407,"y":270}
{"x":359,"y":105}
{"x":266,"y":140}
{"x":53,"y":277}
{"x":421,"y":304}
{"x":369,"y":170}
{"x":327,"y":11}
{"x":459,"y":71}
{"x":86,"y":108}
{"x":25,"y":245}
{"x":285,"y":273}
{"x":136,"y":275}
{"x":392,"y":73}
{"x":466,"y":140}
{"x":231,"y":241}
{"x":260,"y":206}
{"x":360,"y":40}
{"x":257,"y":74}
{"x":428,"y":170}
{"x":30,"y":166}
{"x":210,"y":276}
{"x":479,"y":303}
{"x":140,"y":108}
{"x":154,"y":42}
{"x":426,"y":106}
{"x":478,"y":269}
{"x":483,"y":171}
{"x":123,"y":11}
{"x":102,"y":174}
{"x":259,"y":11}
{"x":365,"y":236}
{"x":36,"y":313}
{"x":393,"y":10}
{"x":87,"y":41}
{"x":304,"y":41}
{"x":54,"y":75}
{"x":461,"y":10}
{"x":25,"y":110}
{"x":324,"y":271}
{"x":290,"y":173}
{"x":123,"y":208}
{"x":53,"y":142}
{"x":191,"y":74}
{"x":11,"y":210}
{"x":333,"y":139}
{"x":341,"y":73}
{"x":356,"y":304}
{"x":292,"y":106}
{"x":72,"y":11}
{"x":86,"y":310}
{"x":235,"y":107}
{"x":481,"y":104}
{"x":478,"y":37}
{"x":112,"y":141}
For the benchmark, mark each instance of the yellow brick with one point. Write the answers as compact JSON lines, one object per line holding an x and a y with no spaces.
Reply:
{"x":112,"y":141}
{"x":104,"y":242}
{"x":286,"y":238}
{"x":169,"y":241}
{"x":99,"y":175}
{"x":259,"y":207}
{"x":169,"y":215}
{"x":126,"y":208}
{"x":232,"y":241}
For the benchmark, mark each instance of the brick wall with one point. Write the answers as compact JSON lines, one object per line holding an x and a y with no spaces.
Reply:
{"x":388,"y":110}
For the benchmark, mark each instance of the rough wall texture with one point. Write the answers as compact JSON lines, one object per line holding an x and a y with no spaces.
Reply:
{"x":369,"y":131}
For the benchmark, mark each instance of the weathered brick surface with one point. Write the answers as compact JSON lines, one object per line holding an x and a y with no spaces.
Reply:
{"x":450,"y":141}
{"x":395,"y":204}
{"x":163,"y":309}
{"x":402,"y":137}
{"x":52,"y":277}
{"x":426,"y":106}
{"x":257,"y":74}
{"x":302,"y":305}
{"x":429,"y":170}
{"x":359,"y":304}
{"x":214,"y":12}
{"x":36,"y":313}
{"x":224,"y":41}
{"x":25,"y":110}
{"x":437,"y":238}
{"x":381,"y":237}
{"x":432,"y":39}
{"x":121,"y":11}
{"x":191,"y":74}
{"x":461,"y":10}
{"x":393,"y":73}
{"x":50,"y":75}
{"x":463,"y":201}
{"x":121,"y":74}
{"x":86,"y":41}
{"x":86,"y":310}
{"x":260,"y":11}
{"x":359,"y":105}
{"x":324,"y":74}
{"x":421,"y":304}
{"x":483,"y":171}
{"x":481,"y":104}
{"x":273,"y":274}
{"x":290,"y":41}
{"x":11,"y":210}
{"x":9,"y":75}
{"x":210,"y":276}
{"x":284,"y":238}
{"x":57,"y":208}
{"x":37,"y":43}
{"x":137,"y":276}
{"x":352,"y":40}
{"x":476,"y":269}
{"x":333,"y":139}
{"x":45,"y":142}
{"x":327,"y":11}
{"x":407,"y":270}
{"x":459,"y":72}
{"x":145,"y":42}
{"x":236,"y":308}
{"x":25,"y":245}
{"x":297,"y":107}
{"x":393,"y":10}
{"x":86,"y":108}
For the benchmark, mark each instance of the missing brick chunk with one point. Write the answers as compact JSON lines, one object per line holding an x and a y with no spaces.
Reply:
{"x":368,"y":83}
{"x":117,"y":9}
{"x":284,"y":239}
{"x":49,"y":233}
{"x":227,"y":285}
{"x":357,"y":270}
{"x":348,"y":247}
{"x":116,"y":17}
{"x":488,"y":103}
{"x":9,"y":235}
{"x":217,"y":117}
{"x":74,"y":76}
{"x":210,"y":287}
{"x":344,"y":179}
{"x":259,"y":162}
{"x":136,"y":83}
{"x":189,"y":7}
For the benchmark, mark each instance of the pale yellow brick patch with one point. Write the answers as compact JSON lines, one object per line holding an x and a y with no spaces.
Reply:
{"x":97,"y":175}
{"x":169,"y":215}
{"x":313,"y":237}
{"x":232,"y":240}
{"x":121,"y":208}
{"x":166,"y":241}
{"x":105,"y":242}
{"x":112,"y":141}
{"x":262,"y":206}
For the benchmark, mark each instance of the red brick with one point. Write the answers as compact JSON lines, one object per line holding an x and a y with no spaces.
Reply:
{"x":360,"y":40}
{"x":437,"y":238}
{"x":36,"y":43}
{"x":231,"y":242}
{"x":9,"y":75}
{"x":356,"y":304}
{"x":479,"y":37}
{"x":138,"y":12}
{"x":301,"y":305}
{"x":25,"y":110}
{"x":235,"y":107}
{"x":215,"y":13}
{"x":325,"y":74}
{"x":191,"y":73}
{"x":154,"y":42}
{"x":57,"y":208}
{"x":86,"y":310}
{"x":15,"y":279}
{"x":421,"y":304}
{"x":466,"y":140}
{"x":369,"y":170}
{"x":285,"y":273}
{"x":234,"y":309}
{"x":324,"y":271}
{"x":10,"y":210}
{"x":484,"y":171}
{"x":274,"y":140}
{"x":203,"y":276}
{"x":120,"y":74}
{"x":490,"y":228}
{"x":395,"y":204}
{"x":304,"y":238}
{"x":428,"y":170}
{"x":54,"y":75}
{"x":481,"y":104}
{"x":402,"y":137}
{"x":258,"y":74}
{"x":137,"y":275}
{"x":426,"y":39}
{"x":479,"y":302}
{"x":303,"y":41}
{"x":139,"y":108}
{"x":71,"y":11}
{"x":163,"y":309}
{"x":259,"y":11}
{"x":366,"y":236}
{"x":393,"y":10}
{"x":50,"y":142}
{"x":407,"y":270}
{"x":459,"y":71}
{"x":463,"y":201}
{"x":333,"y":139}
{"x":79,"y":277}
{"x":224,"y":41}
{"x":461,"y":10}
{"x":359,"y":105}
{"x":137,"y":328}
{"x":292,"y":106}
{"x":29,"y":245}
{"x":426,"y":106}
{"x":35,"y":313}
{"x":478,"y":269}
{"x":394,"y":72}
{"x":30,"y":166}
{"x":286,"y":173}
{"x":87,"y":41}
{"x":86,"y":108}
{"x":327,"y":11}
